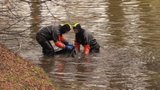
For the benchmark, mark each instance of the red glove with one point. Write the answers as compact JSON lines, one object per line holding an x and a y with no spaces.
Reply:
{"x":61,"y":38}
{"x":87,"y":49}
{"x":60,"y":44}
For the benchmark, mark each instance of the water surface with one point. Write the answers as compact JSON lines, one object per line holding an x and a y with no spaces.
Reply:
{"x":127,"y":30}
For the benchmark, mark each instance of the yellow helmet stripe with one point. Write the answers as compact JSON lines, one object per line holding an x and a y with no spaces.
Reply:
{"x":75,"y":24}
{"x":68,"y":24}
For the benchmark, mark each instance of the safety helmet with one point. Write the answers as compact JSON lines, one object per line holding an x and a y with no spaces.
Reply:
{"x":77,"y":26}
{"x":65,"y":28}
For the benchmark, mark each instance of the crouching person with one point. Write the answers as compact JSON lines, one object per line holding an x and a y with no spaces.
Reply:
{"x":55,"y":33}
{"x":86,"y":39}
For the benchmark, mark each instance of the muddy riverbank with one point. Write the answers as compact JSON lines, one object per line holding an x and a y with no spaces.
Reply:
{"x":17,"y":73}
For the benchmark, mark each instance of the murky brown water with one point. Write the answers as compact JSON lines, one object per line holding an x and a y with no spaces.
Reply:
{"x":127,"y":30}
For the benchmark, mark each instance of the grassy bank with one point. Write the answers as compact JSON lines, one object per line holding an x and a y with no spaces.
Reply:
{"x":17,"y":73}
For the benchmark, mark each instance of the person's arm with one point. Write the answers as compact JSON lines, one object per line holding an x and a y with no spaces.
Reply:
{"x":57,"y":41}
{"x":77,"y":46}
{"x":87,"y":46}
{"x":62,"y":39}
{"x":87,"y":49}
{"x":60,"y":44}
{"x":63,"y":44}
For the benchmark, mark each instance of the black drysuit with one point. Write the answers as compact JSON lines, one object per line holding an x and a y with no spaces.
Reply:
{"x":85,"y":38}
{"x":45,"y":35}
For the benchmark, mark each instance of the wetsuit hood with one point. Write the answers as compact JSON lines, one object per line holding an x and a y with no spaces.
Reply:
{"x":77,"y":26}
{"x":65,"y":28}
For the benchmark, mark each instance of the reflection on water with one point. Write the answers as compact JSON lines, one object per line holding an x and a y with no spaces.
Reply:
{"x":127,"y":30}
{"x":35,"y":17}
{"x":116,"y":22}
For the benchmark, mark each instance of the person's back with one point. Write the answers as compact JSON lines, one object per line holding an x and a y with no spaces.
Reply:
{"x":50,"y":32}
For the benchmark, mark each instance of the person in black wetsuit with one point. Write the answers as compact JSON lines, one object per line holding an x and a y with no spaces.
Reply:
{"x":55,"y":33}
{"x":86,"y":39}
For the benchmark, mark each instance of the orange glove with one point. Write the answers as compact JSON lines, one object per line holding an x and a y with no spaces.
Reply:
{"x":61,"y":38}
{"x":60,"y":44}
{"x":87,"y":49}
